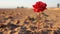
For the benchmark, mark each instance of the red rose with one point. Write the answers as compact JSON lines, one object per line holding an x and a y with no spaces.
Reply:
{"x":39,"y":6}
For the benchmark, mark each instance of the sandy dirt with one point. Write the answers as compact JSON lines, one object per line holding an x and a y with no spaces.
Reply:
{"x":22,"y":21}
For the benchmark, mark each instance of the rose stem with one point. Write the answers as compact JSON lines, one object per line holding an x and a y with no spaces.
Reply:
{"x":38,"y":16}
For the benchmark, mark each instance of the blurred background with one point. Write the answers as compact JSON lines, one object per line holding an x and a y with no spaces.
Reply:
{"x":26,"y":3}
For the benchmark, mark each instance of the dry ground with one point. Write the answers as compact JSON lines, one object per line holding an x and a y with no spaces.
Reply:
{"x":12,"y":20}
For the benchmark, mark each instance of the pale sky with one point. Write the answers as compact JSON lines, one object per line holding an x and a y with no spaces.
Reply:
{"x":25,"y":3}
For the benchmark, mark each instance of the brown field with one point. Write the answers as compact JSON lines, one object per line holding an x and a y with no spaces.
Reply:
{"x":23,"y":21}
